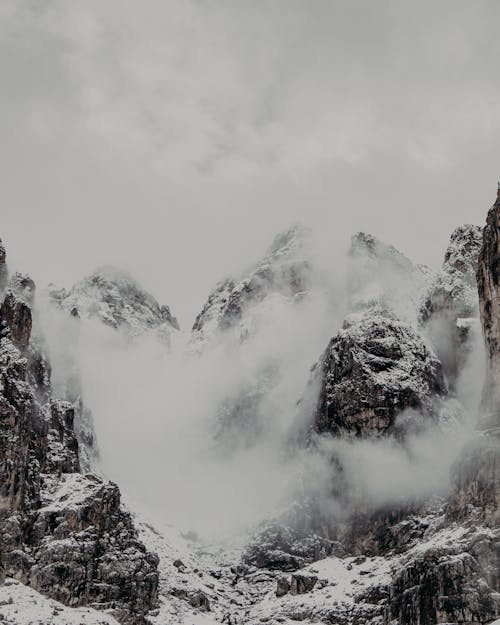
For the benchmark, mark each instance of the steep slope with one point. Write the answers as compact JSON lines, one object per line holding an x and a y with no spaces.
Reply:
{"x":115,"y":298}
{"x":285,"y":269}
{"x":450,"y":313}
{"x":61,"y":532}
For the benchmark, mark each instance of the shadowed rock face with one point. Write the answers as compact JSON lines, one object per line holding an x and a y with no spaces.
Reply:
{"x":373,"y":370}
{"x":488,"y":280}
{"x":477,"y":472}
{"x":63,"y":533}
{"x":451,"y":310}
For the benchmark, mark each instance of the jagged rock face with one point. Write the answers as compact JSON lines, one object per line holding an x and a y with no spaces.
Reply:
{"x":488,"y":279}
{"x":116,"y":299}
{"x":446,"y":584}
{"x":285,"y":269}
{"x":451,"y":305}
{"x":285,"y":548}
{"x":63,"y":533}
{"x":376,"y":368}
{"x":476,"y":477}
{"x":4,"y":275}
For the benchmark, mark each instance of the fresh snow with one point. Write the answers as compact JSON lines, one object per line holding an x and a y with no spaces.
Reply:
{"x":21,"y":605}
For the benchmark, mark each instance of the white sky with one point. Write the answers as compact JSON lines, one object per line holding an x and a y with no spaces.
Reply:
{"x":175,"y":138}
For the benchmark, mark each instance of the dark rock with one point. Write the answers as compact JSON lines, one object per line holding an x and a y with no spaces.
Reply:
{"x":376,"y":368}
{"x":282,"y":586}
{"x":63,"y":533}
{"x":488,"y":278}
{"x":301,"y":584}
{"x":284,"y":548}
{"x":452,"y":302}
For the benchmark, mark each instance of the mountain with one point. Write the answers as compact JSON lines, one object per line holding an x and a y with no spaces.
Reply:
{"x":393,"y":515}
{"x":115,"y":298}
{"x":62,"y":533}
{"x":285,"y":270}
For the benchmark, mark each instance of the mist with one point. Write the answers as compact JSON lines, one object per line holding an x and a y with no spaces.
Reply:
{"x":173,"y":139}
{"x":210,"y":436}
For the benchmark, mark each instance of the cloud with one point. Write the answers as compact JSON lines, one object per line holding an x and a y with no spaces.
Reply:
{"x":175,"y":138}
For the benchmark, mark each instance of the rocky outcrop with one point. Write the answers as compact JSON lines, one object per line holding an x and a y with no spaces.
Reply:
{"x":450,"y":311}
{"x":4,"y":274}
{"x":285,"y":270}
{"x":63,"y":533}
{"x":477,"y":471}
{"x":375,"y":370}
{"x":115,"y":298}
{"x":448,"y":583}
{"x":488,"y":279}
{"x":282,"y":547}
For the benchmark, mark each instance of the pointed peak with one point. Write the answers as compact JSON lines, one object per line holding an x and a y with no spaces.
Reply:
{"x":291,"y":240}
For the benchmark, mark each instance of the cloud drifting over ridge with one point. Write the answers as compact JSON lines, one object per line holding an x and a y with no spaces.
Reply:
{"x":176,"y":137}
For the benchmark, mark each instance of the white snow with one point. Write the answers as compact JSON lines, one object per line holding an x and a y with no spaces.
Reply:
{"x":21,"y":605}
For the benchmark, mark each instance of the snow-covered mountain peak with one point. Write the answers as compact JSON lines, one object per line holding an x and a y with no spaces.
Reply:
{"x":114,"y":297}
{"x":381,"y":275}
{"x":285,"y":270}
{"x":289,"y":244}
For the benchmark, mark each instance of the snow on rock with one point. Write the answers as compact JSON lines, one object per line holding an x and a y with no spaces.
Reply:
{"x":375,"y":368}
{"x":285,"y":269}
{"x":451,"y":303}
{"x":22,"y":605}
{"x":63,"y":533}
{"x":115,"y":298}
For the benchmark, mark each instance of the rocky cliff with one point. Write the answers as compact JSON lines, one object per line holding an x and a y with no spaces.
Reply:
{"x":450,"y":312}
{"x":61,"y":532}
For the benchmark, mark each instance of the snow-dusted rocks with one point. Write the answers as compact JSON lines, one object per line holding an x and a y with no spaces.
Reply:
{"x":374,"y":370}
{"x":63,"y":533}
{"x":115,"y":298}
{"x":488,"y":276}
{"x":450,"y":310}
{"x":4,"y":274}
{"x":285,"y":269}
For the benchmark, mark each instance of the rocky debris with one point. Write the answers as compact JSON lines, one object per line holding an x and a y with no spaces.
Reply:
{"x":63,"y":533}
{"x":374,"y":370}
{"x":115,"y":298}
{"x":196,"y":599}
{"x":452,"y":301}
{"x":285,"y":269}
{"x":300,"y":584}
{"x":281,"y":547}
{"x":282,"y":586}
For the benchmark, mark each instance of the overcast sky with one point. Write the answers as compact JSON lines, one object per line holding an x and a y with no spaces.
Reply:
{"x":175,"y":138}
